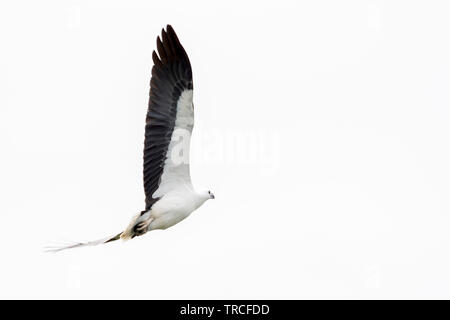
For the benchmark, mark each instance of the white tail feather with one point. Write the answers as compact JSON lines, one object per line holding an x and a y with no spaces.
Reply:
{"x":60,"y":247}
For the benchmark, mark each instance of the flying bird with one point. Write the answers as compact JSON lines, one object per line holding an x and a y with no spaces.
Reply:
{"x":169,"y":194}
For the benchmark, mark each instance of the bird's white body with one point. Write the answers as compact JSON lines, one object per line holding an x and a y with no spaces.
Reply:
{"x":172,"y":208}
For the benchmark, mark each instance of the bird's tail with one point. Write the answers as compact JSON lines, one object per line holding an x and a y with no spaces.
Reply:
{"x":57,"y":248}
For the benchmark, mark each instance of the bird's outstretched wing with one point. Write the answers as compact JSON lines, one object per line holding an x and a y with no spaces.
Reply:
{"x":170,"y":119}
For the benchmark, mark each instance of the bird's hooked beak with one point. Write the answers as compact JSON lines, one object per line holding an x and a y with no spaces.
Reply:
{"x":212,"y":196}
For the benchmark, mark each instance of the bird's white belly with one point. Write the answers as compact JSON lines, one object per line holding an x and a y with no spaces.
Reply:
{"x":168,"y":219}
{"x":170,"y":210}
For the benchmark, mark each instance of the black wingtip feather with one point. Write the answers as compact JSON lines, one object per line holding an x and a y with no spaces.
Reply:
{"x":161,"y":51}
{"x":167,"y":45}
{"x":155,"y":58}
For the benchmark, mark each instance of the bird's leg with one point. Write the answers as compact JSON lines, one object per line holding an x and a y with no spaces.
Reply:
{"x":142,"y":227}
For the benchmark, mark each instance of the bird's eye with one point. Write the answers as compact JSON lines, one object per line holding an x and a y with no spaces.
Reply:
{"x":209,"y":192}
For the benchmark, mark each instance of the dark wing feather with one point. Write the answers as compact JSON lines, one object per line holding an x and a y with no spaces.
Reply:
{"x":171,"y":75}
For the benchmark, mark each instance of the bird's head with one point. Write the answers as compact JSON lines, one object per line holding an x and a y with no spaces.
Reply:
{"x":206,"y":195}
{"x":202,"y":197}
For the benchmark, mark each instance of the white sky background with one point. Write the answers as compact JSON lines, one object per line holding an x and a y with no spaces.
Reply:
{"x":322,"y":127}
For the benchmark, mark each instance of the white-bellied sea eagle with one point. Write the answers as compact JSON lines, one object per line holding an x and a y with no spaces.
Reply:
{"x":169,"y":194}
